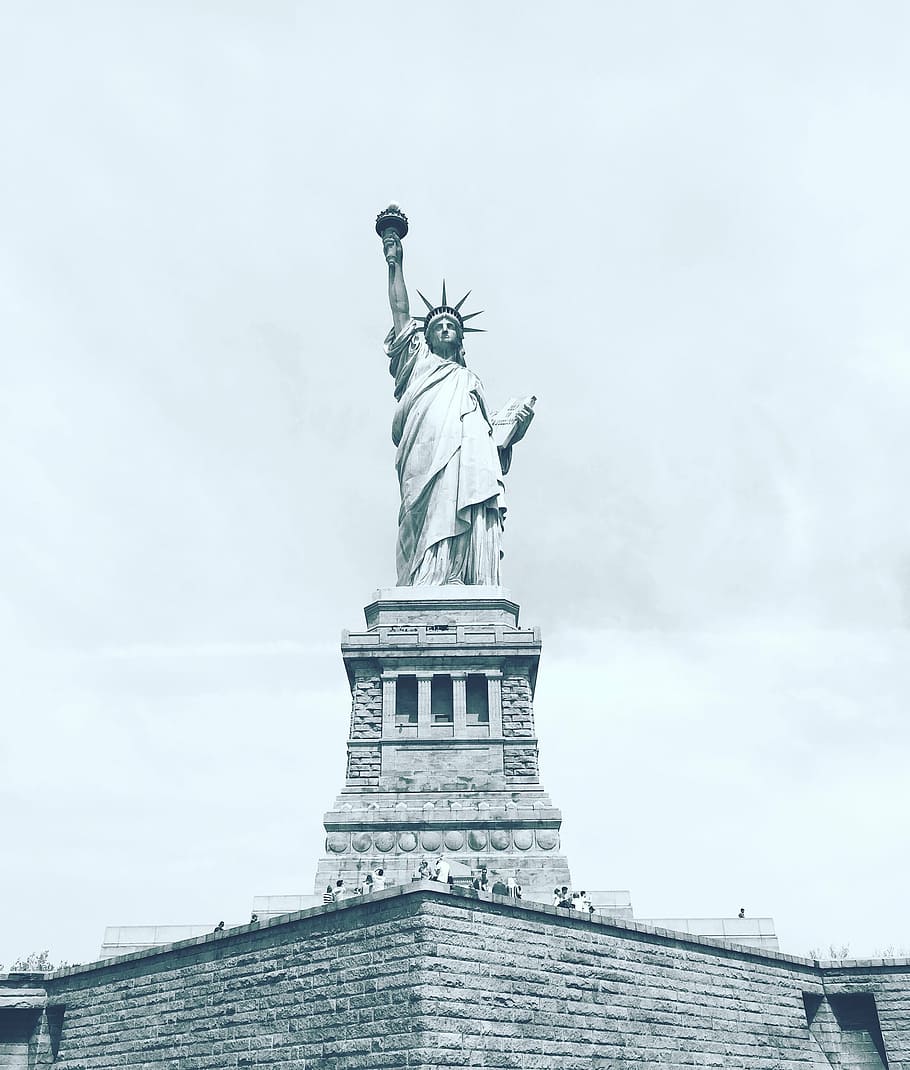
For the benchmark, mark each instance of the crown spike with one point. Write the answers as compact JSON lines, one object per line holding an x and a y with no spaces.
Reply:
{"x":474,"y":330}
{"x":426,"y":302}
{"x":444,"y":292}
{"x":470,"y":316}
{"x":462,"y":301}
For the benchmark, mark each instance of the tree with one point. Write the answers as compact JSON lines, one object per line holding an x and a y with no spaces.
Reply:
{"x":835,"y":952}
{"x":36,"y":962}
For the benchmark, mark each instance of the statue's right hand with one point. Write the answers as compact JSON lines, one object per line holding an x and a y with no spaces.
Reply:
{"x":391,"y":247}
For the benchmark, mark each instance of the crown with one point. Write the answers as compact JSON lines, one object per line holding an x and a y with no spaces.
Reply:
{"x":452,"y":311}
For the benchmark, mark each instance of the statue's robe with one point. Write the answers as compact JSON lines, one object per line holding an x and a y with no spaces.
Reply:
{"x":449,"y":469}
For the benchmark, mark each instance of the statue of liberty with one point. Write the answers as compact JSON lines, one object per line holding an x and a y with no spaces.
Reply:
{"x":452,"y":452}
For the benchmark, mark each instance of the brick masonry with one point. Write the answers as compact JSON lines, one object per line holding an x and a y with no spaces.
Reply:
{"x":419,"y":978}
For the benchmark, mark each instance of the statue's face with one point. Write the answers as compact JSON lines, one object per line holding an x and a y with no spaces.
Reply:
{"x":444,"y":337}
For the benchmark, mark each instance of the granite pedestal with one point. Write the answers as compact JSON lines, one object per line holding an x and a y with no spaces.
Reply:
{"x":442,"y":750}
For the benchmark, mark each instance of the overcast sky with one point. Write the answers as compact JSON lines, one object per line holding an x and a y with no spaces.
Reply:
{"x":688,"y":225}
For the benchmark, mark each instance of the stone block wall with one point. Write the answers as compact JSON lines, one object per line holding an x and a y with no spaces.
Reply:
{"x":547,"y":990}
{"x":364,"y":764}
{"x":517,"y":712}
{"x":366,"y":706}
{"x":520,"y":763}
{"x":421,"y":978}
{"x":892,"y":1001}
{"x":333,"y":989}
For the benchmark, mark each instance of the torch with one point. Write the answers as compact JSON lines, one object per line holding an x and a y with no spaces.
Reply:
{"x":390,"y":221}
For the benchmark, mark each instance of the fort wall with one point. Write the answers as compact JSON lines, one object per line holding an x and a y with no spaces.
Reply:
{"x":419,"y":977}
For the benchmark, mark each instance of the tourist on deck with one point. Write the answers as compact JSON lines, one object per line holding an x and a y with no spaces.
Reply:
{"x":328,"y":896}
{"x":499,"y":887}
{"x":582,"y":903}
{"x":379,"y":880}
{"x":442,"y":871}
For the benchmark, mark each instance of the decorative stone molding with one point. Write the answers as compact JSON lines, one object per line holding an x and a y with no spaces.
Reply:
{"x":384,"y":841}
{"x":547,"y":839}
{"x":469,"y":841}
{"x":337,"y":842}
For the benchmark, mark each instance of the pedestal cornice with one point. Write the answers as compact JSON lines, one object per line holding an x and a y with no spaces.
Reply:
{"x":454,"y":603}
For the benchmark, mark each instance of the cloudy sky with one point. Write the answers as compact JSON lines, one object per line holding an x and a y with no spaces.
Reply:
{"x":688,"y":225}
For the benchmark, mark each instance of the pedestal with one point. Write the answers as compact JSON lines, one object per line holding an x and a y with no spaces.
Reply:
{"x":442,"y":750}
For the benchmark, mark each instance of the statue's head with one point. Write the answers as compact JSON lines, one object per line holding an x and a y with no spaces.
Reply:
{"x":444,"y":327}
{"x":444,"y":336}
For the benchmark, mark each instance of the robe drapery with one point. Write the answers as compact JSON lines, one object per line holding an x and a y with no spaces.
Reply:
{"x":449,"y":469}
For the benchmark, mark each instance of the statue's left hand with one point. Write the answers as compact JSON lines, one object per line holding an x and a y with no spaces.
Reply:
{"x":523,"y":420}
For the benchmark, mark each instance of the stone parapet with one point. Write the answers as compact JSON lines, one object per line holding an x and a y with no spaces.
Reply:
{"x":753,"y":932}
{"x":438,"y":639}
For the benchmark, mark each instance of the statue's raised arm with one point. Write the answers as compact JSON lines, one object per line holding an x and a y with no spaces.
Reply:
{"x":450,"y":462}
{"x":392,"y":225}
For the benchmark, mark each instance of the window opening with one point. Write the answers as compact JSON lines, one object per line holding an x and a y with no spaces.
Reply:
{"x":406,"y":701}
{"x":442,"y":707}
{"x":478,"y":699}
